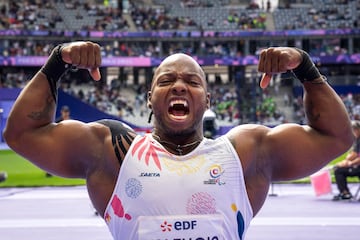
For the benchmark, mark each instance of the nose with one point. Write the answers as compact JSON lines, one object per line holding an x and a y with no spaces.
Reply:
{"x":179,"y":86}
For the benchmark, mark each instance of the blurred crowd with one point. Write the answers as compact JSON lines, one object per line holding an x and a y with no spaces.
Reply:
{"x":164,"y":15}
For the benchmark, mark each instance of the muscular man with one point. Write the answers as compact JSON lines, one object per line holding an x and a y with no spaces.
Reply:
{"x":173,"y":178}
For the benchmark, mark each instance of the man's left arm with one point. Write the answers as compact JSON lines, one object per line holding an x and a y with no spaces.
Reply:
{"x":296,"y":151}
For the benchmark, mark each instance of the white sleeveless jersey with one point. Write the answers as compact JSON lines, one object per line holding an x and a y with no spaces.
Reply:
{"x":162,"y":196}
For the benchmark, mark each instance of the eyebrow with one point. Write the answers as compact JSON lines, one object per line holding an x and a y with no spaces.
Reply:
{"x":171,"y":73}
{"x":186,"y":74}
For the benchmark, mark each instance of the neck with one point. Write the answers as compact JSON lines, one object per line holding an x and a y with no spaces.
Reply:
{"x":179,"y":149}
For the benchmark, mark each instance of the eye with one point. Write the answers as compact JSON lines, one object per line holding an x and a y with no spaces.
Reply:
{"x":164,"y":82}
{"x":194,"y":82}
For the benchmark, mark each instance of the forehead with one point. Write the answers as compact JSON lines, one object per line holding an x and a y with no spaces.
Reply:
{"x":179,"y":63}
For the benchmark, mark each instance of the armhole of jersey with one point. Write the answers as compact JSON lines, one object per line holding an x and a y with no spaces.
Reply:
{"x":238,"y":160}
{"x":126,"y":158}
{"x":119,"y":132}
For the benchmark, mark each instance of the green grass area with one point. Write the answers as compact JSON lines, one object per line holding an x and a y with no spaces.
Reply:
{"x":22,"y":173}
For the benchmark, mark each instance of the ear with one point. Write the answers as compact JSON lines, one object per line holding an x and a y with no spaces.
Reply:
{"x":149,"y":100}
{"x":208,"y":95}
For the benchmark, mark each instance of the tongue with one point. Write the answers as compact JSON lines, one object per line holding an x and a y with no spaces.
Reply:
{"x":178,"y":112}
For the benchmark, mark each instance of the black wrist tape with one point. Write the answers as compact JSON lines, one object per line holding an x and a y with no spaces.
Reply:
{"x":306,"y":71}
{"x":54,"y":69}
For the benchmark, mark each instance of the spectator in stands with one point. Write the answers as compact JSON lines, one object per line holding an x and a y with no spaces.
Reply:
{"x":349,"y":167}
{"x":268,"y":5}
{"x":64,"y":114}
{"x":174,"y":170}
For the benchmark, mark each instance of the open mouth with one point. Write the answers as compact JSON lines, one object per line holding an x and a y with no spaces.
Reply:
{"x":179,"y":109}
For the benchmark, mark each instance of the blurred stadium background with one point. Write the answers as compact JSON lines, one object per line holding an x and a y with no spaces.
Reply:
{"x":225,"y":36}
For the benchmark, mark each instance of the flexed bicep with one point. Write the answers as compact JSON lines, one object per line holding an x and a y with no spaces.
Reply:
{"x":66,"y":149}
{"x":297,"y":151}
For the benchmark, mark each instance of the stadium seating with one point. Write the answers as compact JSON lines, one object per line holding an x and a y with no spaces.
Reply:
{"x":225,"y":30}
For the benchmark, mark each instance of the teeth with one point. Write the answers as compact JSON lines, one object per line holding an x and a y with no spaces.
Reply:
{"x":183,"y":102}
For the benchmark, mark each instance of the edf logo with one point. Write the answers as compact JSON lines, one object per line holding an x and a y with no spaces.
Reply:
{"x":178,"y":225}
{"x":185,"y":225}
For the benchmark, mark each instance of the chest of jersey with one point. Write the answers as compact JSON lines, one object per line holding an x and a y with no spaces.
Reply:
{"x":155,"y":188}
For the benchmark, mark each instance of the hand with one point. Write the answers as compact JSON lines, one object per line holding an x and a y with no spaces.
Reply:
{"x":277,"y":60}
{"x":85,"y":55}
{"x":344,"y":163}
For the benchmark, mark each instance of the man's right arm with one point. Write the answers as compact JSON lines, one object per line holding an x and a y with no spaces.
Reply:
{"x":31,"y":132}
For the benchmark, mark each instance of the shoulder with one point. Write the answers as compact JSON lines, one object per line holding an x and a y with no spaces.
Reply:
{"x":121,"y":136}
{"x":247,"y":131}
{"x":110,"y":130}
{"x":249,"y":141}
{"x":116,"y":127}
